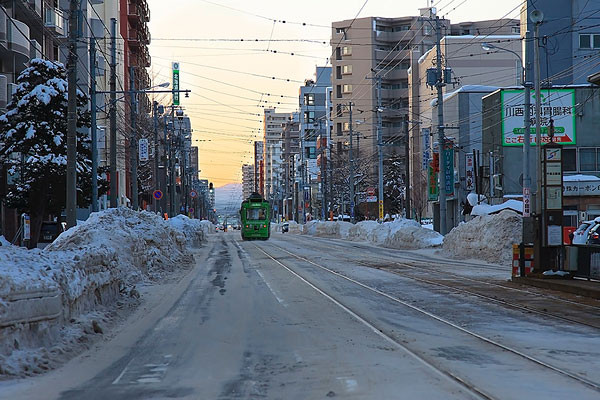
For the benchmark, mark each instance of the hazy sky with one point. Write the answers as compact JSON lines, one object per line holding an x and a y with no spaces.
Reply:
{"x":204,"y":36}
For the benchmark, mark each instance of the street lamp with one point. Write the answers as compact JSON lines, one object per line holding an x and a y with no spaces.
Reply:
{"x":526,"y":137}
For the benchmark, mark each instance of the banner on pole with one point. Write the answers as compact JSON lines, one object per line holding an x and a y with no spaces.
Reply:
{"x":469,"y":172}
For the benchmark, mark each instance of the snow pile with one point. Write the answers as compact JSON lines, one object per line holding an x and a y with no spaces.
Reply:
{"x":398,"y":234}
{"x":409,"y":234}
{"x":4,"y":242}
{"x":23,"y":270}
{"x":194,"y":230}
{"x":86,"y":268}
{"x":487,"y":237}
{"x":367,"y":231}
{"x":294,"y":227}
{"x":145,"y":244}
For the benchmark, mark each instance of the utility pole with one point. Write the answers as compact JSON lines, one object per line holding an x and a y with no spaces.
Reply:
{"x":156,"y":180}
{"x":538,"y":130}
{"x":526,"y":139}
{"x":441,"y":137}
{"x":172,"y":165}
{"x":379,"y":110}
{"x":114,"y":191}
{"x":407,"y":177}
{"x":94,"y":124}
{"x":133,"y":140}
{"x":72,"y":115}
{"x":351,"y":160}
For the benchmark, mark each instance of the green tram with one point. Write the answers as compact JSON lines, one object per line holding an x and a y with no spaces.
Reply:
{"x":255,"y":214}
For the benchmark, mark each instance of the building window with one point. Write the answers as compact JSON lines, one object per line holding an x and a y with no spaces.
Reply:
{"x":347,"y":88}
{"x":587,"y":160}
{"x":309,"y":99}
{"x":346,"y":126}
{"x":347,"y":50}
{"x":338,"y":72}
{"x":347,"y":69}
{"x":516,"y":30}
{"x":338,"y":53}
{"x":338,"y":89}
{"x":340,"y":30}
{"x":589,"y":41}
{"x":338,"y":129}
{"x":569,"y":160}
{"x":339,"y":110}
{"x":309,"y":117}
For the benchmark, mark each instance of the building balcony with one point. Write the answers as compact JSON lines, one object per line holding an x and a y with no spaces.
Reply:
{"x":404,"y":36}
{"x":4,"y":98}
{"x":14,"y":43}
{"x":54,"y":20}
{"x":33,"y":7}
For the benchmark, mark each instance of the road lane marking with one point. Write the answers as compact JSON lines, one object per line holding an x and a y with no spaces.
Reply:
{"x":122,"y":373}
{"x":281,"y":301}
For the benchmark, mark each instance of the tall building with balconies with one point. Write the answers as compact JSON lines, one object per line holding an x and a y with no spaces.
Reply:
{"x":364,"y":50}
{"x":247,"y":180}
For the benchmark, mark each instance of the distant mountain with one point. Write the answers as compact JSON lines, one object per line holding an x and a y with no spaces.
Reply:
{"x":228,"y":198}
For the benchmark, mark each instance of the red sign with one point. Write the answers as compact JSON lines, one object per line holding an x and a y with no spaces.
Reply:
{"x":370,"y":191}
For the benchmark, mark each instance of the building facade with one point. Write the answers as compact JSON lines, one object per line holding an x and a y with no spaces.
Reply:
{"x":569,"y":61}
{"x":247,"y":180}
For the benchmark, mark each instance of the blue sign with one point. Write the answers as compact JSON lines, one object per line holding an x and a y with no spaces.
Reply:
{"x":158,"y":194}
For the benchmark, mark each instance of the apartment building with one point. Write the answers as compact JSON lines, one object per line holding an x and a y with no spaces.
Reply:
{"x":247,"y":180}
{"x":259,"y":175}
{"x":273,"y":136}
{"x":572,"y":32}
{"x":364,"y":50}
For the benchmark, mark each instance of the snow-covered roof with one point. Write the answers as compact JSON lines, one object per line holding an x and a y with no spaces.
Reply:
{"x":580,"y":178}
{"x":467,"y":89}
{"x":485,"y":209}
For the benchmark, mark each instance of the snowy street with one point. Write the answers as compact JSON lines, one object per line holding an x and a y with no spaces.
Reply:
{"x":300,"y":317}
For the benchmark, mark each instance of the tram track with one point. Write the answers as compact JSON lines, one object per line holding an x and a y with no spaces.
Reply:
{"x":595,"y":386}
{"x":427,"y":268}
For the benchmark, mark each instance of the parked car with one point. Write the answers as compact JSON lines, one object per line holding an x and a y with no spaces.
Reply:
{"x":49,"y":231}
{"x":285,"y":227}
{"x":587,"y":232}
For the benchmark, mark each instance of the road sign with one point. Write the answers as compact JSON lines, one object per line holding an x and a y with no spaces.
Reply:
{"x":371,"y":191}
{"x":193,"y":194}
{"x":470,"y":172}
{"x":176,"y":83}
{"x":371,"y":199}
{"x":158,"y":194}
{"x":191,"y":210}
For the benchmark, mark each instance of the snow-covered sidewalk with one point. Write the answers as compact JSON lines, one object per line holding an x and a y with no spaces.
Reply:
{"x":51,"y":298}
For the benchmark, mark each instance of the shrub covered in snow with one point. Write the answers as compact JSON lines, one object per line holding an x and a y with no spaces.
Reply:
{"x":487,"y":237}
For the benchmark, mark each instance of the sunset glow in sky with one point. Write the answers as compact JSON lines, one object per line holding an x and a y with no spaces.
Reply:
{"x":230,"y":80}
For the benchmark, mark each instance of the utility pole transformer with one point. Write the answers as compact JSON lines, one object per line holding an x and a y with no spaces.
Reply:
{"x":94,"y":128}
{"x":114,"y":191}
{"x":441,"y":138}
{"x":72,"y":115}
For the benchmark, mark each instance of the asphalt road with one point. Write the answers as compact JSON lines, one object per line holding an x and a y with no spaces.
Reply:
{"x":301,"y":318}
